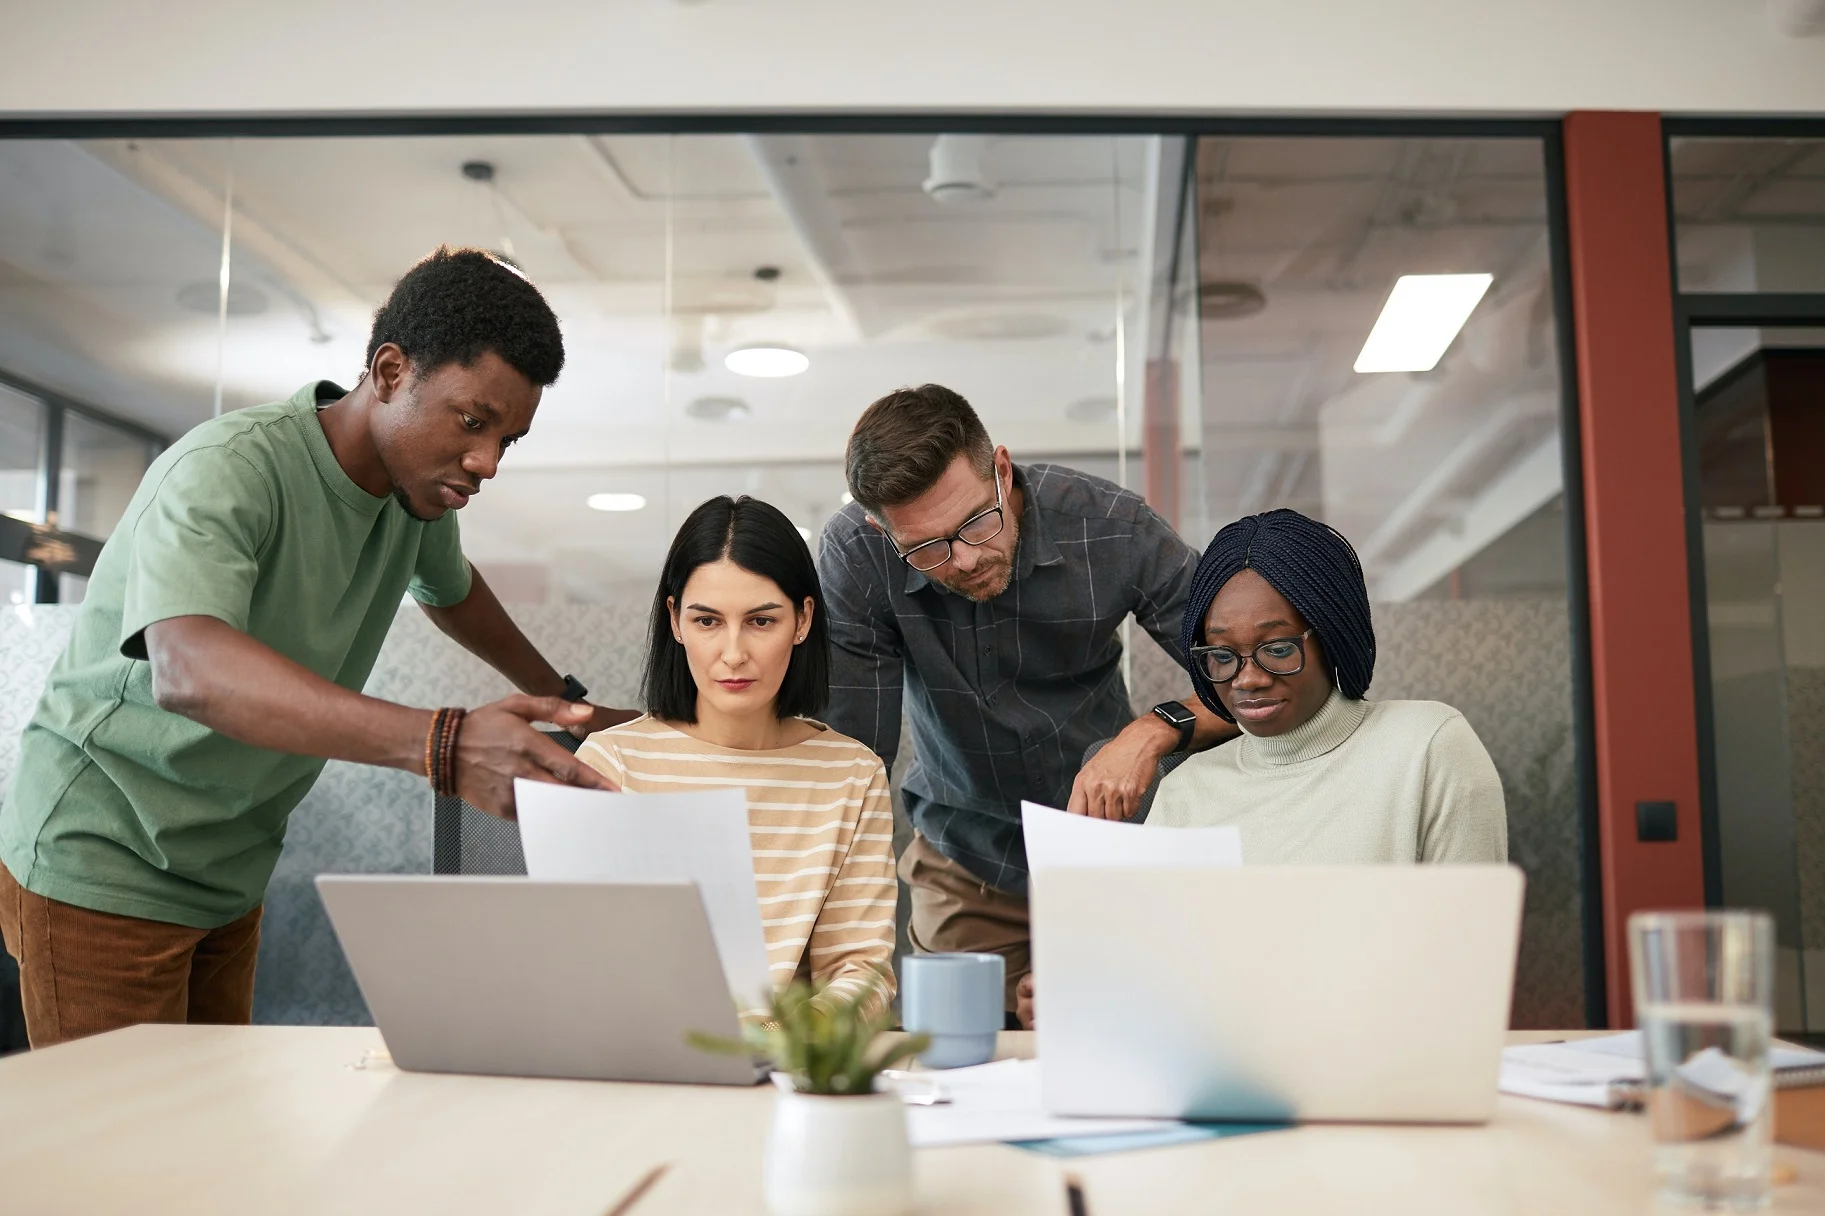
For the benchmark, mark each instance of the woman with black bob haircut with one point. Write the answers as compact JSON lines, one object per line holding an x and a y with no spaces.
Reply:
{"x":757,"y":537}
{"x":1280,"y":640}
{"x":737,"y":661}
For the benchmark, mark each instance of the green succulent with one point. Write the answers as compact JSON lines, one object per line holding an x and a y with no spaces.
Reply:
{"x":827,"y":1042}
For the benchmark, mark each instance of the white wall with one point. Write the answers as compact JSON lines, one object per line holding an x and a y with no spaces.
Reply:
{"x":1237,"y":56}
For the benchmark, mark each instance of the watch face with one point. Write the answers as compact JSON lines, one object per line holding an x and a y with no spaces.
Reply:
{"x":1178,"y":715}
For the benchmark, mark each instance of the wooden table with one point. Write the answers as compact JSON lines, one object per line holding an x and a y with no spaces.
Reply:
{"x":170,"y":1119}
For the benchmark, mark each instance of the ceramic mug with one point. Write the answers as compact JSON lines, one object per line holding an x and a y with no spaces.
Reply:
{"x":957,"y":999}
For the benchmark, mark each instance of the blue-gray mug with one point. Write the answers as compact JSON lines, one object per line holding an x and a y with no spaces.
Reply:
{"x":957,"y":999}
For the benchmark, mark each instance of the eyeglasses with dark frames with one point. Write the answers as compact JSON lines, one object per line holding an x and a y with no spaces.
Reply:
{"x":977,"y":530}
{"x":1276,"y":657}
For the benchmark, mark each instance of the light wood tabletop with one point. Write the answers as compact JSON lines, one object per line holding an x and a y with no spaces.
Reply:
{"x":169,"y":1119}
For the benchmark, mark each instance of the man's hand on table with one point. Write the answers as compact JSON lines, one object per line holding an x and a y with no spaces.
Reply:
{"x":600,"y":718}
{"x":1113,"y":782}
{"x":498,"y":742}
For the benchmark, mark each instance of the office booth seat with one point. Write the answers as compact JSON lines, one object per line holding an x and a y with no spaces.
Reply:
{"x":466,"y":840}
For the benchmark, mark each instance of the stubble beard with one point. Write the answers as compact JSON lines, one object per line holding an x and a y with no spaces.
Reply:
{"x":1004,"y":576}
{"x":405,"y":504}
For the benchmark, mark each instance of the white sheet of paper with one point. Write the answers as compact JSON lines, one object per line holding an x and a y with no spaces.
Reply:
{"x":1055,"y":838}
{"x":1000,"y":1102}
{"x":576,"y":835}
{"x":1591,"y":1072}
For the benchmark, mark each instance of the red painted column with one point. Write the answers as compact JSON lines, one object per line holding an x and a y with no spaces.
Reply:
{"x":1634,"y":503}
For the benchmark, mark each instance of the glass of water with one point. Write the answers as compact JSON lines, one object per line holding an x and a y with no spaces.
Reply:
{"x":1704,"y":998}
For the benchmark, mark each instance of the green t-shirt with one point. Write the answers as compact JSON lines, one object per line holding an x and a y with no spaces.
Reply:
{"x":124,"y":807}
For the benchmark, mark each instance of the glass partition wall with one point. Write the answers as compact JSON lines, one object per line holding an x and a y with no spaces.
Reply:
{"x":1379,"y":350}
{"x":1188,"y":316}
{"x":1748,"y":206}
{"x":1759,"y":431}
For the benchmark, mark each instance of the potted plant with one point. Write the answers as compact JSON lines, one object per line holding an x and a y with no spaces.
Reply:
{"x":838,"y":1144}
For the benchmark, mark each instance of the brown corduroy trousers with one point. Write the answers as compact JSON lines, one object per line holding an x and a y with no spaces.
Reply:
{"x":82,"y":972}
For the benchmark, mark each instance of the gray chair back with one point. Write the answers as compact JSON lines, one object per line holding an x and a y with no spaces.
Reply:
{"x":466,"y":840}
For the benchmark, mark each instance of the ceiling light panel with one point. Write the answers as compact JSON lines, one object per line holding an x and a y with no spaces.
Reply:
{"x":766,"y":362}
{"x":1423,"y":315}
{"x":617,"y":502}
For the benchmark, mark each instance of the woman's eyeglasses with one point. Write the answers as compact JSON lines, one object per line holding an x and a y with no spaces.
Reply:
{"x":1277,"y":657}
{"x":976,"y":530}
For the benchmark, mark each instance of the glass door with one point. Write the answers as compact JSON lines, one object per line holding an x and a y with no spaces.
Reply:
{"x":1758,"y":426}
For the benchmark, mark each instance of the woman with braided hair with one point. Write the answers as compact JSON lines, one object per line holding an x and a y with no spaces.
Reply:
{"x":1279,"y":640}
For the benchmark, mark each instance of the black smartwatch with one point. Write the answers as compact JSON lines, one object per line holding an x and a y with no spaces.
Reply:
{"x":1178,"y":716}
{"x":574,"y":690}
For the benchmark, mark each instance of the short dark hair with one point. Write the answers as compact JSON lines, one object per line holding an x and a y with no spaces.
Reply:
{"x":459,"y":304}
{"x":758,"y":537}
{"x":902,"y":444}
{"x":1314,"y":567}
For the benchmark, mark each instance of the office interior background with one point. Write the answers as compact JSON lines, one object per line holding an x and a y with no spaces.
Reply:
{"x":1177,"y":302}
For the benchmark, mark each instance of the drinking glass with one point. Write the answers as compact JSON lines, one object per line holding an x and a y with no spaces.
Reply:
{"x":1704,"y":997}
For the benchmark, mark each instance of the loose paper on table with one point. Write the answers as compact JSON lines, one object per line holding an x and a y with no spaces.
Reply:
{"x":577,"y":835}
{"x":1056,"y":838}
{"x":1608,"y":1070}
{"x":1000,"y":1101}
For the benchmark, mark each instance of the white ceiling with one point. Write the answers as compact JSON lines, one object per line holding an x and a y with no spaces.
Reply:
{"x":648,"y":247}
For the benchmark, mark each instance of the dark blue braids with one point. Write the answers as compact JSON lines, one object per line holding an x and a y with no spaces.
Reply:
{"x":1317,"y":571}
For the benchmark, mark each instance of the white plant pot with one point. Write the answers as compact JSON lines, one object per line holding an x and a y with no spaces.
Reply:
{"x":838,"y":1156}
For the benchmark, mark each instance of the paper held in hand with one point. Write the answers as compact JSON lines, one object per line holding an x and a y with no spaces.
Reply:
{"x":1056,"y":838}
{"x":576,"y":835}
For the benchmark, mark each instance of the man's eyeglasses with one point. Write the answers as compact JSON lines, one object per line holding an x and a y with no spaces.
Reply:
{"x":1277,"y":657}
{"x":976,"y":530}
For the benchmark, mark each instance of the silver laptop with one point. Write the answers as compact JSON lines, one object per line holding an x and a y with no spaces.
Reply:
{"x":1371,"y":993}
{"x":597,"y":981}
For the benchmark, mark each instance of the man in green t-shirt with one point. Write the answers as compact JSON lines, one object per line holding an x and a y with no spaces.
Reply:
{"x":218,"y":660}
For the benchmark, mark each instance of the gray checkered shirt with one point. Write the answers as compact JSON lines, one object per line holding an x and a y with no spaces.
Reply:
{"x":1003,"y":697}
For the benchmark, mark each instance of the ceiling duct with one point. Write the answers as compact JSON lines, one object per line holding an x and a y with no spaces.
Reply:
{"x":789,"y":167}
{"x":956,"y":170}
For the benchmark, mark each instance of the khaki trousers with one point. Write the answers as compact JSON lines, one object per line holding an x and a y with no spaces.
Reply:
{"x":954,"y":911}
{"x":82,"y":972}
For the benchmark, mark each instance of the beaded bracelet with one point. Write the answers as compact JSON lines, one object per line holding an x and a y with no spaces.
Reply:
{"x":431,"y":740}
{"x":453,"y":723}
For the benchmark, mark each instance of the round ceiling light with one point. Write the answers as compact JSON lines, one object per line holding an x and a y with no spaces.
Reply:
{"x":1227,"y":299}
{"x":719,"y":409}
{"x":617,"y":502}
{"x":767,"y":362}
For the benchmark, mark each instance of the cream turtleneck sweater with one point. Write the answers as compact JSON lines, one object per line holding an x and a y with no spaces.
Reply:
{"x":1362,"y":782}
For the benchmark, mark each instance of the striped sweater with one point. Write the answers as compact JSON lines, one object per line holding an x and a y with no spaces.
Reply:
{"x":821,"y":827}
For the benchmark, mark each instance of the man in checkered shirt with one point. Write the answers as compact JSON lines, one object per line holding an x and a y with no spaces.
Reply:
{"x":989,"y":598}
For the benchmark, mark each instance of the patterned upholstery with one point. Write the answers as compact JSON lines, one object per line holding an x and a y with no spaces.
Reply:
{"x":1485,"y":657}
